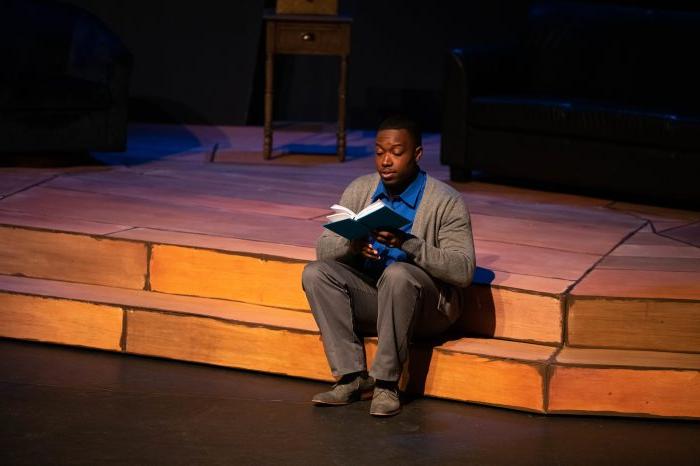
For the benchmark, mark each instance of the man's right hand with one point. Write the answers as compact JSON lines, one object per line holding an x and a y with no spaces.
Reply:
{"x":364,"y":248}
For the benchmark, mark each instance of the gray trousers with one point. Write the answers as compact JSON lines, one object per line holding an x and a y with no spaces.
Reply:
{"x":349,"y":305}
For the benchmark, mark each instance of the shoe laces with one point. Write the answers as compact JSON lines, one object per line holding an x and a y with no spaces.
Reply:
{"x":387,"y":391}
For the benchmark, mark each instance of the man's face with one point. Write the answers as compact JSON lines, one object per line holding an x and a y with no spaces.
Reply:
{"x":396,"y":157}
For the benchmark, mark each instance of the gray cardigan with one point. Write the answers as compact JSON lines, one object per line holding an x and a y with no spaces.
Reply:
{"x":440,"y":243}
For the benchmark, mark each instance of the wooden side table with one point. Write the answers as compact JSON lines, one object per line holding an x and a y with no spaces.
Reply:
{"x":306,"y":35}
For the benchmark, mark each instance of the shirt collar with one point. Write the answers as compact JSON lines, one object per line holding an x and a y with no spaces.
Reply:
{"x":409,"y":195}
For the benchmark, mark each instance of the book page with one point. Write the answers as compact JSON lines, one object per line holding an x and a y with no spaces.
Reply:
{"x":340,"y":209}
{"x":373,"y":207}
{"x":339,"y":216}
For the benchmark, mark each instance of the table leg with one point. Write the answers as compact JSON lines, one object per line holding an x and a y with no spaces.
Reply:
{"x":269,"y":75}
{"x":342,"y":92}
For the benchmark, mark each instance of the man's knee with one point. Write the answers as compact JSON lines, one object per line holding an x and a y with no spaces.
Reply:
{"x":399,"y":274}
{"x":313,"y":271}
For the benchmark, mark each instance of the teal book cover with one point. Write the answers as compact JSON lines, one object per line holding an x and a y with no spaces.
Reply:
{"x":377,"y":215}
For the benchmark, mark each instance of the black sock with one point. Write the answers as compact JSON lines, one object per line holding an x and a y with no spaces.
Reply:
{"x":347,"y":378}
{"x":389,"y":384}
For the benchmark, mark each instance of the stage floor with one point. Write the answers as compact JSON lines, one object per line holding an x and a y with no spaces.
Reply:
{"x":166,"y":189}
{"x":73,"y":406}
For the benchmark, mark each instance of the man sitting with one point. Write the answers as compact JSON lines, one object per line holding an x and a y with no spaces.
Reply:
{"x":396,"y":284}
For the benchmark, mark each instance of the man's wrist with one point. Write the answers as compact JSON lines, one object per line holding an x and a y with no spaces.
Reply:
{"x":411,"y":244}
{"x":401,"y":237}
{"x":357,"y":244}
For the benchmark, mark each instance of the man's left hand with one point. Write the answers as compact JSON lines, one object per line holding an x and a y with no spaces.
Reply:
{"x":391,"y":238}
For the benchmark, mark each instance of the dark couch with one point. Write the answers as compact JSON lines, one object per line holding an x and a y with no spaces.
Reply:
{"x":599,"y":97}
{"x":63,"y":80}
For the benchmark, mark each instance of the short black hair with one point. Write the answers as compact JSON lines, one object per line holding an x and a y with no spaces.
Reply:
{"x":403,"y":122}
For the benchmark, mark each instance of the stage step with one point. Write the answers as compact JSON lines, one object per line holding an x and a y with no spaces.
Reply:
{"x":246,"y":336}
{"x":634,"y":323}
{"x":609,"y":308}
{"x":645,"y":295}
{"x":489,"y":371}
{"x":73,"y":257}
{"x":254,"y":272}
{"x":513,"y":314}
{"x":623,"y":382}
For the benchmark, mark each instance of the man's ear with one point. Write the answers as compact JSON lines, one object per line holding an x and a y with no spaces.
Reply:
{"x":419,"y":153}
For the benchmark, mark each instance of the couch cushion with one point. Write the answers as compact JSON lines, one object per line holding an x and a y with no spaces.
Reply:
{"x":38,"y":92}
{"x":586,"y":119}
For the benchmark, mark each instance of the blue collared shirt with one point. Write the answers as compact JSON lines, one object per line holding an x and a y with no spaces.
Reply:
{"x":405,"y":204}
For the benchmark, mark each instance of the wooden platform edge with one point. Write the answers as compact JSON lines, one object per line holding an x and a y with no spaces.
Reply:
{"x":661,"y":324}
{"x":41,"y":318}
{"x":255,"y":255}
{"x":160,"y":334}
{"x":631,"y":391}
{"x":73,"y":257}
{"x":175,"y":277}
{"x":283,"y":351}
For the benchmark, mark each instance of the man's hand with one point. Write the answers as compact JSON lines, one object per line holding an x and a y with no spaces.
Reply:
{"x":363,"y":247}
{"x":392,"y":238}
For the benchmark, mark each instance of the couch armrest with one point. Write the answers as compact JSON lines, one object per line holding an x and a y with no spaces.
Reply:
{"x":469,"y":71}
{"x":455,"y":96}
{"x":492,"y":68}
{"x":97,"y":54}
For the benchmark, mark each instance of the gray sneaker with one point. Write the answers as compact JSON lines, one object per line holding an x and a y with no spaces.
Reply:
{"x":343,"y":393}
{"x":385,"y":402}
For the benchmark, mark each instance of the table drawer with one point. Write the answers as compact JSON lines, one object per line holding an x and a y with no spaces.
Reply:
{"x":312,"y":38}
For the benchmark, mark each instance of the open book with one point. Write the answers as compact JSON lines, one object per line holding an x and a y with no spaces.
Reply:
{"x":353,"y":225}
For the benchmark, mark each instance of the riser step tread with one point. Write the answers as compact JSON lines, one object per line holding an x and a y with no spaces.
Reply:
{"x":124,"y":298}
{"x":596,"y":357}
{"x":238,"y":312}
{"x":490,"y":371}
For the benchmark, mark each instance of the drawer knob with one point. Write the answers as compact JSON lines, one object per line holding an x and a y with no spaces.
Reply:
{"x":308,"y":36}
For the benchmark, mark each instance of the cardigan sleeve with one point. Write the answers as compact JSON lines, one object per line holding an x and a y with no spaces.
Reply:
{"x":331,"y":245}
{"x":453,"y":260}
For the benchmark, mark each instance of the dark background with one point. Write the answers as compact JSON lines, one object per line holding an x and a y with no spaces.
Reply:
{"x":202,"y":61}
